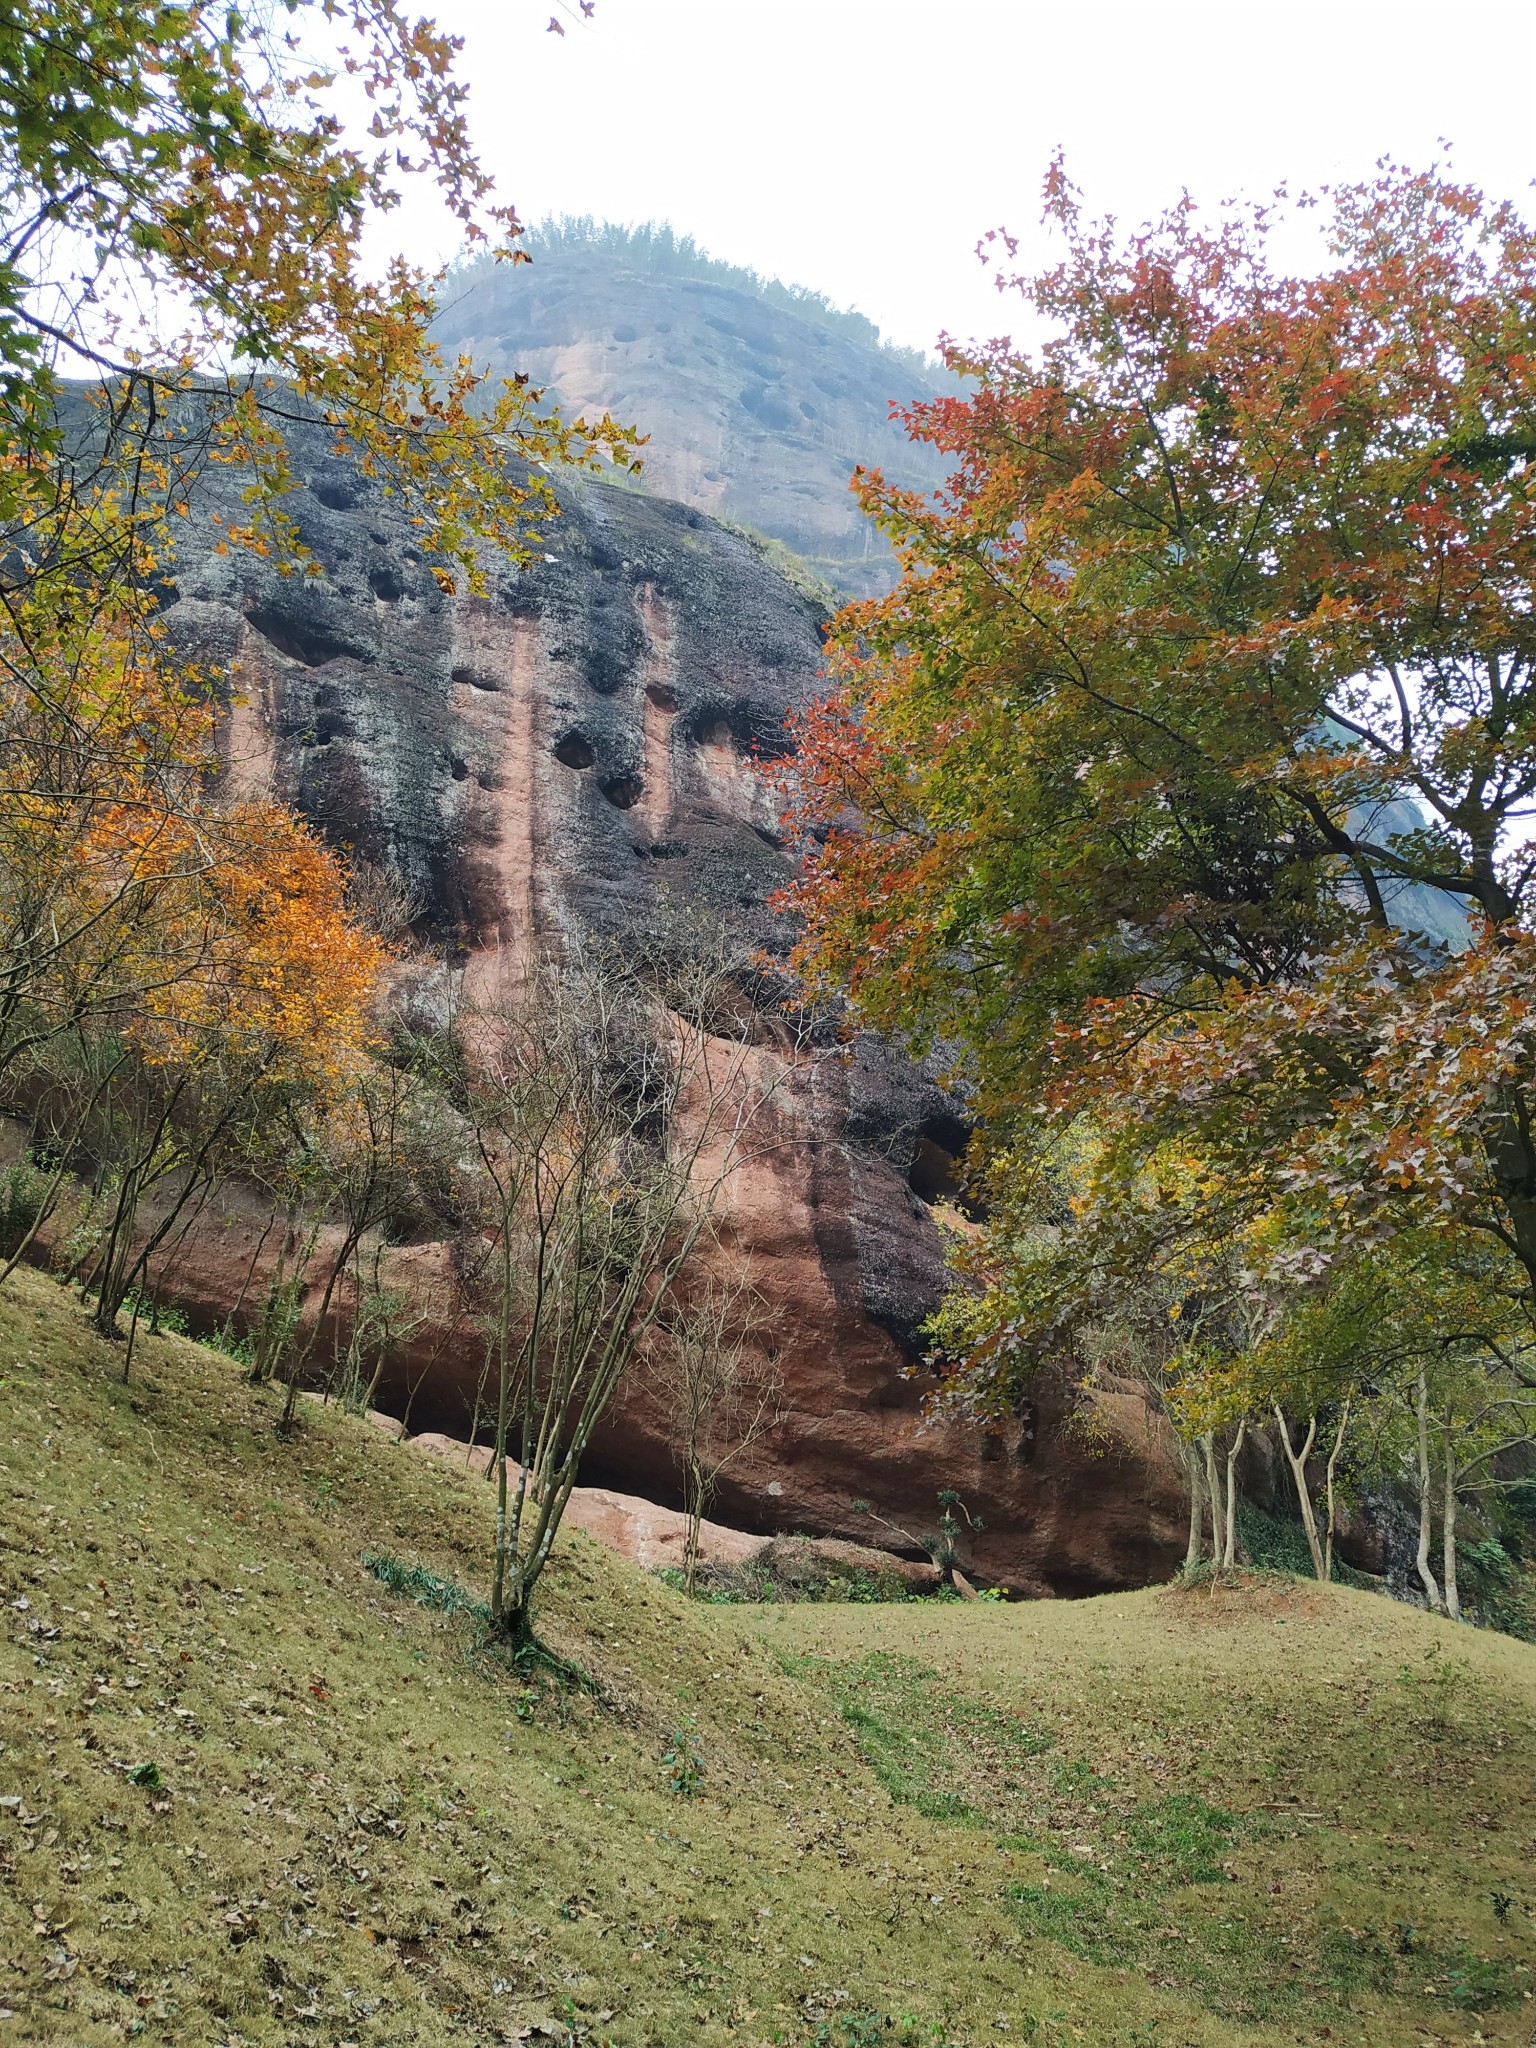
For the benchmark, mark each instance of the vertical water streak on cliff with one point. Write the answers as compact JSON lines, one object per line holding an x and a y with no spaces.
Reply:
{"x":494,"y":699}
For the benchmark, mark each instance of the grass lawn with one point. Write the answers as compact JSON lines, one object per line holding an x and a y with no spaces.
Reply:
{"x":250,"y":1792}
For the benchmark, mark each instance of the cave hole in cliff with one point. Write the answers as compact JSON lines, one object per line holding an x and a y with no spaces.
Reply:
{"x":934,"y":1174}
{"x":574,"y":750}
{"x":460,"y":770}
{"x":296,"y":638}
{"x":476,"y":678}
{"x":336,"y":497}
{"x":623,"y":791}
{"x":387,"y":585}
{"x":662,"y":695}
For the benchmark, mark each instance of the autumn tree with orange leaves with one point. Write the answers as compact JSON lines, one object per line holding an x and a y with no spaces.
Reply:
{"x":1181,"y":786}
{"x":182,"y":278}
{"x":255,"y":1010}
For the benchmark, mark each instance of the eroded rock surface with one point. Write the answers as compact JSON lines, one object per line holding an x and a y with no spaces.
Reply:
{"x":575,"y":754}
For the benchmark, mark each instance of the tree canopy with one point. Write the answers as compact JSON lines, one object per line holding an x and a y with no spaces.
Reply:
{"x":1180,"y":790}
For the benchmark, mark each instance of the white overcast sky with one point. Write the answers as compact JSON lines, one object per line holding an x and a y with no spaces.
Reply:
{"x":862,"y":146}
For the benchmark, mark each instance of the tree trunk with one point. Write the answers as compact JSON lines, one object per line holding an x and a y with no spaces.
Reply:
{"x":1297,"y":1460}
{"x":1448,"y":1538}
{"x":1229,"y":1545}
{"x":1192,"y":1551}
{"x":513,"y":1622}
{"x":503,"y":1399}
{"x":1426,"y":1575}
{"x":1512,"y":1157}
{"x":693,"y":1507}
{"x":1333,"y":1463}
{"x":111,"y":1275}
{"x":1212,"y":1494}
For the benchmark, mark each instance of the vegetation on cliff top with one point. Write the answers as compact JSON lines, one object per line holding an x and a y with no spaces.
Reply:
{"x":656,"y":246}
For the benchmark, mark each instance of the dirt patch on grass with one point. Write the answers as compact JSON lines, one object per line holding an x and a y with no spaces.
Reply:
{"x":1243,"y":1596}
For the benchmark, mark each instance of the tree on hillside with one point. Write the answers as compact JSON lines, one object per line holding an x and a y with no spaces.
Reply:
{"x":712,"y":1375}
{"x":606,"y":1113}
{"x":1427,"y":1337}
{"x":1112,"y":791}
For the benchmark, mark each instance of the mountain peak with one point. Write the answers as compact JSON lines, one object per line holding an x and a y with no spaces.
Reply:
{"x":759,"y":397}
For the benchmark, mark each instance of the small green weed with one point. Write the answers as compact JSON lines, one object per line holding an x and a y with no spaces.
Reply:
{"x":683,"y":1760}
{"x":415,"y":1582}
{"x":1440,"y":1687}
{"x":853,"y":2030}
{"x":1475,"y":1983}
{"x":870,"y":2029}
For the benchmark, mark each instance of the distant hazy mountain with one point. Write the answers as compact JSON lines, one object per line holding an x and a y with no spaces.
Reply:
{"x":759,"y":398}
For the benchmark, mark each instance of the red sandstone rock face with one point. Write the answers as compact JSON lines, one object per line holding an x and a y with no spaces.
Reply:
{"x":656,"y":1537}
{"x":574,"y":755}
{"x":1059,"y":1517}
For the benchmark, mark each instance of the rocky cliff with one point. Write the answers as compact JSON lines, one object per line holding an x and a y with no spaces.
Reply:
{"x":758,"y":400}
{"x":575,"y":754}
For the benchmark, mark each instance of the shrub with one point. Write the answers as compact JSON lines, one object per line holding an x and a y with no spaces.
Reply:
{"x":23,"y":1191}
{"x":684,"y":1760}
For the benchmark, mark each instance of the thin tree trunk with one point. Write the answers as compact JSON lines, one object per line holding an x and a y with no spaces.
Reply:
{"x":694,"y":1504}
{"x":1229,"y":1546}
{"x":1192,"y":1550}
{"x":474,"y":1414}
{"x":1448,"y":1537}
{"x":1333,"y":1463}
{"x":503,"y":1395}
{"x":250,"y":1271}
{"x":133,"y":1332}
{"x":1426,"y":1575}
{"x":1297,"y":1460}
{"x":1212,"y":1494}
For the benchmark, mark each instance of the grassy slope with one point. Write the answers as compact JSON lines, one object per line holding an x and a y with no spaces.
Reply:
{"x":1156,"y":1818}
